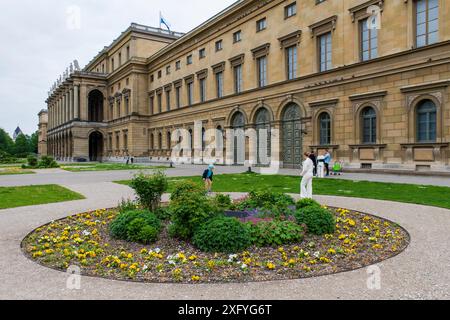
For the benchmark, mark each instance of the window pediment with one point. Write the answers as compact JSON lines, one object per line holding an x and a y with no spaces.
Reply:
{"x":202,"y":74}
{"x":168,"y":87}
{"x":360,"y":11}
{"x":219,"y":67}
{"x":290,"y":39}
{"x":324,"y":103}
{"x":261,"y":51}
{"x":323,"y":26}
{"x":189,"y":79}
{"x":237,"y":60}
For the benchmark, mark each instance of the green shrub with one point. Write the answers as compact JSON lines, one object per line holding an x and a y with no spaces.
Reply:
{"x":163,"y":213}
{"x":47,"y":162}
{"x":266,"y":199}
{"x":276,"y":205}
{"x":150,"y":188}
{"x":222,"y":234}
{"x":318,"y":220}
{"x":276,"y":233}
{"x":223,"y":201}
{"x":139,"y":231}
{"x":188,"y":211}
{"x":183,"y":187}
{"x":6,"y":158}
{"x":32,"y":161}
{"x":127,"y":205}
{"x":136,"y":226}
{"x":304,"y":203}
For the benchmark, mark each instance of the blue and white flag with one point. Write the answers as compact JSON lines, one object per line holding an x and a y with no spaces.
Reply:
{"x":163,"y":21}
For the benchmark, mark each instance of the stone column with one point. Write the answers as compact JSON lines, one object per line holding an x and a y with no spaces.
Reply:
{"x":70,"y":104}
{"x":67,"y":114}
{"x":76,"y":103}
{"x":83,"y":104}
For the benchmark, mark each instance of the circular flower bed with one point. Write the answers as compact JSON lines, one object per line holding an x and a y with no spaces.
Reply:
{"x":359,"y":240}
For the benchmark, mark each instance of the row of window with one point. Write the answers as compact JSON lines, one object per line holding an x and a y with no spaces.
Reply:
{"x":426,"y":120}
{"x":290,"y":11}
{"x":427,"y":33}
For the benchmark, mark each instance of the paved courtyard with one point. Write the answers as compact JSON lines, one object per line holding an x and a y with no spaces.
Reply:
{"x":421,"y":272}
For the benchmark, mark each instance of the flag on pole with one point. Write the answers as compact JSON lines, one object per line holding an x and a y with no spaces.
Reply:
{"x":163,"y":21}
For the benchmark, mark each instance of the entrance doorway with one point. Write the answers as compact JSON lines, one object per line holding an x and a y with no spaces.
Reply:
{"x":96,"y":146}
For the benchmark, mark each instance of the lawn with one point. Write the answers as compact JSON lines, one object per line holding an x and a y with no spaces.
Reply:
{"x":13,"y":171}
{"x":107,"y":167}
{"x":407,"y":193}
{"x":13,"y":197}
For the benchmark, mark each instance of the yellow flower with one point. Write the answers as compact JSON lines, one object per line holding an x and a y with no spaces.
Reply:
{"x":331,"y":251}
{"x":291,"y":262}
{"x":307,"y":269}
{"x":281,"y":250}
{"x":342,"y":237}
{"x":193,"y":258}
{"x":351,"y":223}
{"x":325,"y":260}
{"x":377,"y":246}
{"x":270,"y":266}
{"x":144,"y":251}
{"x":195,"y":278}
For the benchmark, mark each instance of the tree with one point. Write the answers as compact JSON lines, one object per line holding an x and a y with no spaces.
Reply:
{"x":22,"y":146}
{"x":33,"y":143}
{"x":6,"y":142}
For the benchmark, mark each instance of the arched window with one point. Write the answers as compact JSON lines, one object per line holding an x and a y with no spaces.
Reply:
{"x":169,"y":140}
{"x":325,"y":129}
{"x":191,"y":138}
{"x":203,"y":139}
{"x":369,"y":125}
{"x":152,"y":142}
{"x":426,"y":116}
{"x":160,"y":141}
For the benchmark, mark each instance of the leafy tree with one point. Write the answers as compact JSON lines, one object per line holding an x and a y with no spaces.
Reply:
{"x":6,"y":142}
{"x":33,"y":143}
{"x":22,"y":146}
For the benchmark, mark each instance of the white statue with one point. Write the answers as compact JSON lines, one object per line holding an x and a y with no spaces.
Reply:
{"x":77,"y":66}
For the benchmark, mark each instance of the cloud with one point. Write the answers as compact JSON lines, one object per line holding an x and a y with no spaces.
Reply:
{"x":39,"y":43}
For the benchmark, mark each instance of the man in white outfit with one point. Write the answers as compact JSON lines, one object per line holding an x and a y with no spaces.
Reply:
{"x":306,"y":188}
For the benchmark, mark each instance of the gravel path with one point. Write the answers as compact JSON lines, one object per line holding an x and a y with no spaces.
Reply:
{"x":421,"y":272}
{"x":57,"y":176}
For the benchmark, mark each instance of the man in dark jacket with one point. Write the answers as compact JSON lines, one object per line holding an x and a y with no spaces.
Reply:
{"x":208,"y":176}
{"x":313,"y":157}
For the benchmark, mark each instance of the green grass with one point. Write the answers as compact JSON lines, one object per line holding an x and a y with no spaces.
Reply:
{"x":107,"y":167}
{"x":407,"y":193}
{"x":13,"y":197}
{"x":14,"y":171}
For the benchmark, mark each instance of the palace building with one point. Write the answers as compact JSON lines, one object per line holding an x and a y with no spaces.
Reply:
{"x":368,"y":80}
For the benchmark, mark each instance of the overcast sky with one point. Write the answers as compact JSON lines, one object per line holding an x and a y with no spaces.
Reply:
{"x":41,"y":38}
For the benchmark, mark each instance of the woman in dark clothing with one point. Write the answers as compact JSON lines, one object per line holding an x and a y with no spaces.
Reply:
{"x":313,"y":157}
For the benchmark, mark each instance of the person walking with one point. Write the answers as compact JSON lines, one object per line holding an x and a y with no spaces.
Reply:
{"x":313,"y":158}
{"x":208,"y":176}
{"x":306,"y":188}
{"x":327,"y":161}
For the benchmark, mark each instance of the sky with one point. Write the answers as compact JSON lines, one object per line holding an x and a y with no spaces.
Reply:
{"x":41,"y":38}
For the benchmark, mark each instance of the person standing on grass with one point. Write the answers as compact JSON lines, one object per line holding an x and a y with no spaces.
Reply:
{"x":327,"y":161}
{"x":313,"y":158}
{"x":208,"y":176}
{"x":306,"y":188}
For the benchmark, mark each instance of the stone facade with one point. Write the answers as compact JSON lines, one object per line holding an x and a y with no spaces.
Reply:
{"x":311,"y":71}
{"x":42,"y":132}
